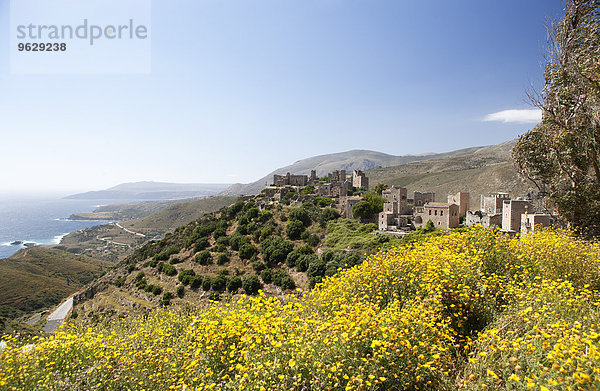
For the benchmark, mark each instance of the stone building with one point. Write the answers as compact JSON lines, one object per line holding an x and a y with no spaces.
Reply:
{"x":490,"y":213}
{"x":346,"y":205}
{"x":512,"y":211}
{"x":443,"y":215}
{"x":483,"y":219}
{"x":392,"y":222}
{"x":420,"y":199}
{"x":493,"y":204}
{"x":276,"y":192}
{"x":338,"y":176}
{"x":462,"y":199}
{"x":333,"y":190}
{"x":290,"y":180}
{"x":395,"y":200}
{"x":395,"y":209}
{"x":359,"y":179}
{"x":531,"y":222}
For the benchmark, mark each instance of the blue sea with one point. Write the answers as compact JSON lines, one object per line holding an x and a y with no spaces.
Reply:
{"x":41,"y":219}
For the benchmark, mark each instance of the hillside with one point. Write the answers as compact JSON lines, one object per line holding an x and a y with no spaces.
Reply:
{"x":471,"y":310}
{"x":487,"y":170}
{"x":238,"y":247}
{"x":153,"y":191}
{"x":324,"y":164}
{"x":113,"y":242}
{"x":178,"y":214}
{"x":40,"y":277}
{"x":127,"y":211}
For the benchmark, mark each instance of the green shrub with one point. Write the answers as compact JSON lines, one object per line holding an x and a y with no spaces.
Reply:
{"x":258,"y":266}
{"x":156,"y":290}
{"x":251,"y":284}
{"x":207,"y":283}
{"x":164,"y":303}
{"x":236,"y":241}
{"x":300,"y":214}
{"x":219,"y":248}
{"x":278,"y":276}
{"x":160,"y":257}
{"x":283,"y":280}
{"x":119,"y":282}
{"x":353,"y":259}
{"x":275,"y":250}
{"x":247,"y":251}
{"x":175,"y":261}
{"x":180,"y":291}
{"x":267,"y":276}
{"x":196,"y":282}
{"x":332,"y":268}
{"x":141,"y":284}
{"x":219,"y":233}
{"x":304,"y":262}
{"x":169,"y":270}
{"x":305,"y":249}
{"x":219,"y":283}
{"x":324,"y":201}
{"x":166,"y":253}
{"x":201,"y":244}
{"x":305,"y":235}
{"x":203,"y":257}
{"x":233,"y":284}
{"x":185,"y":275}
{"x":222,"y":259}
{"x":294,"y":229}
{"x":139,"y":276}
{"x":316,"y":268}
{"x":313,"y":240}
{"x":242,"y":229}
{"x":223,"y":240}
{"x":264,"y":216}
{"x":266,"y":232}
{"x":292,"y":257}
{"x":287,"y":283}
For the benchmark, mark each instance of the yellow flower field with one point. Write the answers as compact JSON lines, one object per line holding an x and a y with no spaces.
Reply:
{"x":469,"y":310}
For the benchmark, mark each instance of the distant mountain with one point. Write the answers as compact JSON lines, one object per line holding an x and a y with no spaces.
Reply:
{"x":485,"y":170}
{"x":153,"y":191}
{"x":356,"y":159}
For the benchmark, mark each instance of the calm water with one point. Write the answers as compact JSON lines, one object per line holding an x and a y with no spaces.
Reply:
{"x":41,"y":219}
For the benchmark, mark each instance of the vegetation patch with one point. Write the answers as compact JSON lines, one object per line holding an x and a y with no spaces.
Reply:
{"x":470,"y":310}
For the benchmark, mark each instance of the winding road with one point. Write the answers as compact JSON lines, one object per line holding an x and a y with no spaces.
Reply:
{"x":57,"y":317}
{"x":130,"y":231}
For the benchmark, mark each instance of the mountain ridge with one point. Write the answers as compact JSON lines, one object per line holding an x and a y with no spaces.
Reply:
{"x":150,"y":190}
{"x":360,"y":159}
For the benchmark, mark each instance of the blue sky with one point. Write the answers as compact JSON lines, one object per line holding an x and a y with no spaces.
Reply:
{"x":238,"y":88}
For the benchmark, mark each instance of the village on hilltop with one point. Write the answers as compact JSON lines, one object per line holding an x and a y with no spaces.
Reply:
{"x":401,"y":214}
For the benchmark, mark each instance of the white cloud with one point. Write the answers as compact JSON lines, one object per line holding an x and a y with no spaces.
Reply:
{"x":526,"y":116}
